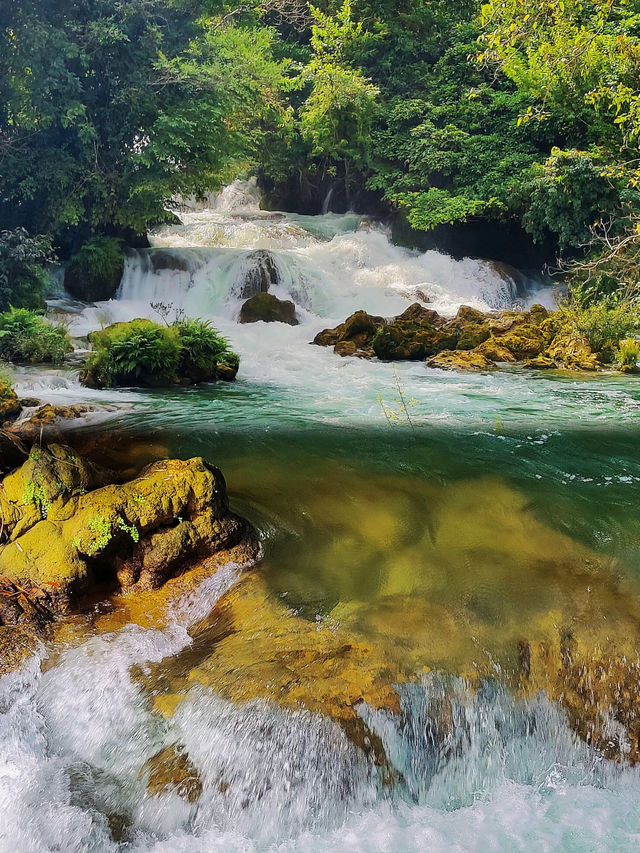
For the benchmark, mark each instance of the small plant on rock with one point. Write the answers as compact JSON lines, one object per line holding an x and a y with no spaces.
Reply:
{"x":145,"y":353}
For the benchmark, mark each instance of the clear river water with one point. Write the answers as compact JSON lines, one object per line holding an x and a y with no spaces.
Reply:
{"x":442,"y":518}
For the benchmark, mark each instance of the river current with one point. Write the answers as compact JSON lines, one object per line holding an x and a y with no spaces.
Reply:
{"x":440,"y":517}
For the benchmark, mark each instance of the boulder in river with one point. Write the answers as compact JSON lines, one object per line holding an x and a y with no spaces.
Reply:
{"x":460,"y":360}
{"x":68,"y":524}
{"x":353,"y":337}
{"x":261,"y":274}
{"x":414,"y":335}
{"x":269,"y":309}
{"x":472,"y":340}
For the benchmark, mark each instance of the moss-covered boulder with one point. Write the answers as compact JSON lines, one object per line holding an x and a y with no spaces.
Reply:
{"x":64,"y":532}
{"x":353,"y":337}
{"x":460,"y":360}
{"x":414,"y":335}
{"x":10,"y":406}
{"x":268,"y":308}
{"x":472,"y":327}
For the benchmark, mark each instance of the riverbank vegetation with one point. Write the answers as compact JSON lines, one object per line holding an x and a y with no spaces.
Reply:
{"x":443,"y":115}
{"x":145,"y":353}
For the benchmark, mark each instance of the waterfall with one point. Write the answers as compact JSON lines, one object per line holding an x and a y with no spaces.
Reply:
{"x":327,"y":199}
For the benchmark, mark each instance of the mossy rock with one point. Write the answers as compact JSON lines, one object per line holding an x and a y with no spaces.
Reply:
{"x":10,"y":406}
{"x":140,"y":532}
{"x":522,"y":338}
{"x":494,"y":350}
{"x":42,"y":487}
{"x":353,"y":337}
{"x":460,"y":360}
{"x":268,"y":308}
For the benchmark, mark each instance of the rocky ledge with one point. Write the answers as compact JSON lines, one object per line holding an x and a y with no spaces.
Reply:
{"x":68,"y":526}
{"x":472,"y":340}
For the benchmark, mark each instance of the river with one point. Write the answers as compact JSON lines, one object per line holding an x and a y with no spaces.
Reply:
{"x":440,"y":519}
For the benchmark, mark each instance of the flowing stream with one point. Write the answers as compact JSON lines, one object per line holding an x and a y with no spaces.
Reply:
{"x":440,"y":519}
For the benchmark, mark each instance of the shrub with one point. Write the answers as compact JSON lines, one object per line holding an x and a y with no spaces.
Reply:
{"x":136,"y":353}
{"x":25,"y":336}
{"x":23,"y":275}
{"x":142,"y":352}
{"x":94,"y":272}
{"x":627,"y":354}
{"x":603,"y":325}
{"x":202,"y":349}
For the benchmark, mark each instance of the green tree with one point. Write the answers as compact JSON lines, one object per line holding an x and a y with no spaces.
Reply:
{"x":109,"y":108}
{"x":335,"y":119}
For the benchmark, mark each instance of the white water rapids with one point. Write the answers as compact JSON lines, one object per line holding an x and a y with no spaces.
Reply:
{"x":76,"y":733}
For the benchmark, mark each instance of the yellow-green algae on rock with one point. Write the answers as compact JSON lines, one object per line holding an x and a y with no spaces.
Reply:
{"x":472,"y":340}
{"x":66,"y":529}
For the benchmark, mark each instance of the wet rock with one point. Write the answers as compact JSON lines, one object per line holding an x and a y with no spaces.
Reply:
{"x":163,"y":259}
{"x":46,"y":417}
{"x":12,"y":451}
{"x":141,"y":532}
{"x":495,"y":350}
{"x":300,"y":664}
{"x":568,"y":349}
{"x":10,"y":406}
{"x":269,"y":309}
{"x":414,"y":335}
{"x":17,"y":643}
{"x":353,"y":337}
{"x":262,"y":273}
{"x":344,"y":348}
{"x":171,"y":770}
{"x":472,"y":326}
{"x":460,"y":360}
{"x":226,"y":372}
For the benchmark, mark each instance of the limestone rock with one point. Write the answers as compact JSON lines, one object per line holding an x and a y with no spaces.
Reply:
{"x":353,"y":337}
{"x":269,"y":309}
{"x":141,"y":532}
{"x":415,"y":334}
{"x":261,"y":274}
{"x":172,"y":770}
{"x":10,"y":406}
{"x":460,"y":360}
{"x":494,"y":350}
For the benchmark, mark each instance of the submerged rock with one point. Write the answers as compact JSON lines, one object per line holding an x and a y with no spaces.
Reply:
{"x":269,"y":309}
{"x":171,"y":770}
{"x":48,"y":418}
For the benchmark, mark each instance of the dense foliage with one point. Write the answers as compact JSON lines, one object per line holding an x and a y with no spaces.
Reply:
{"x":26,"y":337}
{"x":144,"y":353}
{"x":23,"y":275}
{"x":450,"y":111}
{"x":108,"y":108}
